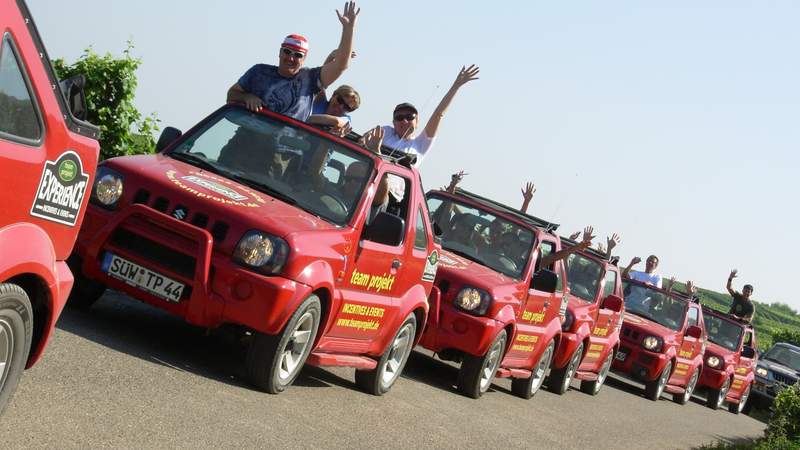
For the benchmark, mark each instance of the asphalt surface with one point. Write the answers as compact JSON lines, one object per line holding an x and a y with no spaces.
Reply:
{"x":125,"y":375}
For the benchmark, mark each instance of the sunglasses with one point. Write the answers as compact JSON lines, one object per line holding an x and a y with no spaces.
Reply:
{"x":289,"y":52}
{"x":344,"y":104}
{"x":402,"y":117}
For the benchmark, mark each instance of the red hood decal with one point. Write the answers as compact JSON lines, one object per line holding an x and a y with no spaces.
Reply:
{"x":221,"y":190}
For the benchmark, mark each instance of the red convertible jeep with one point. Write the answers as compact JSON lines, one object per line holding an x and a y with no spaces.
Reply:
{"x":730,"y":361}
{"x":48,"y":157}
{"x":260,"y":221}
{"x":499,"y":309}
{"x":590,"y":332}
{"x":663,"y":340}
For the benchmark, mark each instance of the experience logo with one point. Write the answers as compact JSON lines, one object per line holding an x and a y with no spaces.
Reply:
{"x":61,"y":190}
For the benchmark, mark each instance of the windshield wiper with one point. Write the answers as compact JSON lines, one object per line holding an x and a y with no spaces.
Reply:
{"x":263,"y":187}
{"x":198,"y":161}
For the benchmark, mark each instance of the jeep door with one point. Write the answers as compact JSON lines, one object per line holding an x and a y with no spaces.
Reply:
{"x":744,"y":366}
{"x":374,"y":272}
{"x":606,"y":321}
{"x":690,"y":347}
{"x":540,"y":308}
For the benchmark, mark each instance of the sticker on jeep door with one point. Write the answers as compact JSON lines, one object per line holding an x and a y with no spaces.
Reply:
{"x":61,"y":190}
{"x":430,"y":266}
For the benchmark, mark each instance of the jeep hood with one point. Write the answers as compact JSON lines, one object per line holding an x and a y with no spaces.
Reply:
{"x":462,"y":271}
{"x":647,"y":326}
{"x":214,"y":195}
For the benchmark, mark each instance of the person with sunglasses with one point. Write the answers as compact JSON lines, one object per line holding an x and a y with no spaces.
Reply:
{"x":289,"y":88}
{"x":400,"y":135}
{"x":333,"y":113}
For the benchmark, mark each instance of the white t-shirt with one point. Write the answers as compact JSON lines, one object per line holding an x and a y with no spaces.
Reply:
{"x":418,"y":146}
{"x":647,"y":278}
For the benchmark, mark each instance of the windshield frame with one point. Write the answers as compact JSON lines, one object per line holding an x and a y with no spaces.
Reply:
{"x":672,"y":295}
{"x":728,"y":322}
{"x":468,"y":203}
{"x":342,"y":146}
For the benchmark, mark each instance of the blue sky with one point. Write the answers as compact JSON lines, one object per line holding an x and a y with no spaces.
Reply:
{"x":672,"y":123}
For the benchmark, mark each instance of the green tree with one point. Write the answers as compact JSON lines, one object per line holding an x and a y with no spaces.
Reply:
{"x":110,"y":90}
{"x":786,"y":335}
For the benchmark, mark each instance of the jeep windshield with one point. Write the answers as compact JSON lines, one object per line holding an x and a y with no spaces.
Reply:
{"x":653,"y":304}
{"x":583,"y":276}
{"x":481,"y":236}
{"x":287,"y":162}
{"x":783,"y":355}
{"x":723,"y":332}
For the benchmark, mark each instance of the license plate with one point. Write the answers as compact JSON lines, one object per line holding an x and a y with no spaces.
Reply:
{"x":143,"y":278}
{"x":620,"y":356}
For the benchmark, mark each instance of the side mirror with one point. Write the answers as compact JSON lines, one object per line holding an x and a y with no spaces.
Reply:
{"x":437,"y":233}
{"x":613,"y":302}
{"x":385,"y":229}
{"x":168,"y":136}
{"x":748,"y":352}
{"x":694,"y":332}
{"x":544,"y":280}
{"x":72,"y":88}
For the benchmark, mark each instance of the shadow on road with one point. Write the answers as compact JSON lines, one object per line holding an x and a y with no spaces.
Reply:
{"x":436,"y":373}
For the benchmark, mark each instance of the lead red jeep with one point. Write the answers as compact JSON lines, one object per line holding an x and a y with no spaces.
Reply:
{"x":260,"y":221}
{"x":590,"y":332}
{"x":730,"y":361}
{"x":498,"y":309}
{"x":663,"y":340}
{"x":48,"y":158}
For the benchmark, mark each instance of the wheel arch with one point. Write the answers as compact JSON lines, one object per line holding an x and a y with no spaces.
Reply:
{"x":39,"y":294}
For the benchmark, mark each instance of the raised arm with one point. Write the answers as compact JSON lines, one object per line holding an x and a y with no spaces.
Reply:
{"x":334,"y":69}
{"x":626,"y":271}
{"x":729,"y":286}
{"x":611,"y":242}
{"x":564,"y":252}
{"x":464,"y":76}
{"x":527,"y":196}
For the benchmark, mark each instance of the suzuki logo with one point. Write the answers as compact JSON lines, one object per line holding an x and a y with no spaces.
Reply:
{"x":179,"y":213}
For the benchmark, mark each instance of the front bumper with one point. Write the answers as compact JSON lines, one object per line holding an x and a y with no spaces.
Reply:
{"x":639,"y":363}
{"x":460,"y":331}
{"x":712,"y":378}
{"x":217,"y":290}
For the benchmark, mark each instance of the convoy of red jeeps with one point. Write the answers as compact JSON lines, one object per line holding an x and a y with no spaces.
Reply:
{"x":263,"y":223}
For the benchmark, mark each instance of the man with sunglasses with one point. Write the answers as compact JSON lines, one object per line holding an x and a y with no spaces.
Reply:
{"x":289,"y":88}
{"x":400,"y":135}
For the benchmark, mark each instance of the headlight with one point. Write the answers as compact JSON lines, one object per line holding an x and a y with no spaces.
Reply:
{"x":714,"y":362}
{"x":569,"y":319}
{"x":473,"y":300}
{"x":107,"y":187}
{"x":762,"y":372}
{"x":652,"y":343}
{"x":262,"y":252}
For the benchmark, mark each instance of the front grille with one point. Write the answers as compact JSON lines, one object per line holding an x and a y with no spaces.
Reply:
{"x":632,"y":334}
{"x":785,"y":379}
{"x":219,"y":231}
{"x":142,"y":247}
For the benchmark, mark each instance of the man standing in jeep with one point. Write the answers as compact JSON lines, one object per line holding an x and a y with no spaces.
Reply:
{"x":289,"y":88}
{"x":741,"y":307}
{"x":649,"y":276}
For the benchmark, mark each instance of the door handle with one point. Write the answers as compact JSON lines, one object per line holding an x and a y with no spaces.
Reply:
{"x":396,"y":264}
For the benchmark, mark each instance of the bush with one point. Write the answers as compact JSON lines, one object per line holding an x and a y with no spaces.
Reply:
{"x":786,"y":335}
{"x":110,"y":90}
{"x":785,"y":420}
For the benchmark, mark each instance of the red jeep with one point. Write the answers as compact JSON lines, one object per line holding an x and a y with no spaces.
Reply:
{"x":259,"y":221}
{"x":730,"y":361}
{"x":498,"y":312}
{"x":590,"y":332}
{"x":663,"y":340}
{"x":48,"y":158}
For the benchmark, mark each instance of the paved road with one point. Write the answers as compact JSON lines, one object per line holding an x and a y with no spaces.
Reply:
{"x":125,"y":375}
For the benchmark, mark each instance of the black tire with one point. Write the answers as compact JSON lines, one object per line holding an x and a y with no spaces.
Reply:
{"x":375,"y":381}
{"x":265,"y":357}
{"x":654,"y":389}
{"x":560,"y":379}
{"x":684,"y":398}
{"x":716,"y":397}
{"x":593,"y":387}
{"x":528,"y":387}
{"x":16,"y":334}
{"x":85,"y":292}
{"x":470,"y":379}
{"x":743,"y":405}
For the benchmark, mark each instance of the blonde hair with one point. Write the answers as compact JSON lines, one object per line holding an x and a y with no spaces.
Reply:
{"x":347,"y":91}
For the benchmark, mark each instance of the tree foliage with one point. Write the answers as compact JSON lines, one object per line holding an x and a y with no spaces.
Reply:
{"x":110,"y":89}
{"x":786,"y":335}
